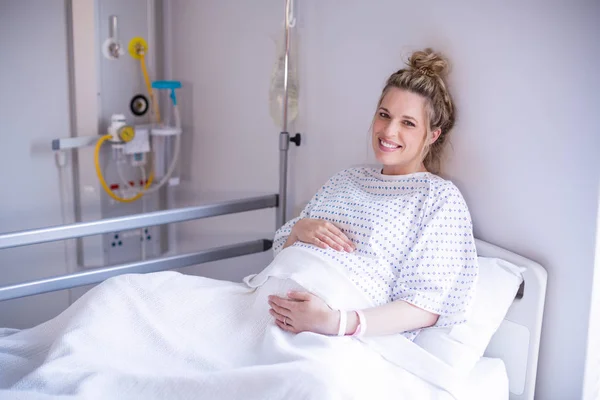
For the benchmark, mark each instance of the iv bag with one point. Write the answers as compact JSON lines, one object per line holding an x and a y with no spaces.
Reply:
{"x":276,"y":90}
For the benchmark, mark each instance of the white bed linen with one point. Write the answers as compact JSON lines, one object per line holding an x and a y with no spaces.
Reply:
{"x":167,"y":335}
{"x":488,"y":380}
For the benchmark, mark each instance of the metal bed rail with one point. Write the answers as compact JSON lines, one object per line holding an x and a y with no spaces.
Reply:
{"x":72,"y":231}
{"x":139,"y":267}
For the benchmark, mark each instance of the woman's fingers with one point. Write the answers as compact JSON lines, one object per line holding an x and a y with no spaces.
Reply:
{"x":320,"y":243}
{"x":343,"y":242}
{"x":282,"y":321}
{"x":340,"y":237}
{"x":280,"y":310}
{"x":337,"y":241}
{"x":300,"y":296}
{"x":285,"y":327}
{"x":328,"y":238}
{"x":323,"y":234}
{"x":279,"y":317}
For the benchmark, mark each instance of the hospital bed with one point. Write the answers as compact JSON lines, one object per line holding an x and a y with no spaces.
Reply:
{"x":508,"y":368}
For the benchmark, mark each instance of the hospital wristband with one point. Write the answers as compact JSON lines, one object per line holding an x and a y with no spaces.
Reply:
{"x":362,"y":324}
{"x":343,"y":323}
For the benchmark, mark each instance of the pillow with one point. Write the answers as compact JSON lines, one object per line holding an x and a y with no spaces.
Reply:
{"x":461,"y":346}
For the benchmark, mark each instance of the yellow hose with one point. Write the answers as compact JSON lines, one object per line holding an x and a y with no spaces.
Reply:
{"x":149,"y":87}
{"x":137,"y":49}
{"x":103,"y":182}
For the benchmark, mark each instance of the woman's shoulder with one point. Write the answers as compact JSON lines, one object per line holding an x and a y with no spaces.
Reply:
{"x":442,"y":185}
{"x":444,"y":191}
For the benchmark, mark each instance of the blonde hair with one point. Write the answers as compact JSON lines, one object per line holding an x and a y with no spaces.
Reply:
{"x":425,"y":75}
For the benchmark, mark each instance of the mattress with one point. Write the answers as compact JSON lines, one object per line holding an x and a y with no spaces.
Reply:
{"x":488,"y":381}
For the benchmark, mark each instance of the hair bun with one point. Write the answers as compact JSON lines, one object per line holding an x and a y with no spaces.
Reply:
{"x":429,"y":63}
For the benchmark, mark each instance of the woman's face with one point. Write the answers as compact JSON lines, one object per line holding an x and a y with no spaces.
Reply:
{"x":399,"y":132}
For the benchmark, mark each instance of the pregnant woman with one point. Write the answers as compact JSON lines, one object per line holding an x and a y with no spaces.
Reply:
{"x":402,"y":233}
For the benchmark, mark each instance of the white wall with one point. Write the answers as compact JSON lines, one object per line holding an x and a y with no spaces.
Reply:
{"x":34,"y":109}
{"x":524,"y":149}
{"x":228,"y":135}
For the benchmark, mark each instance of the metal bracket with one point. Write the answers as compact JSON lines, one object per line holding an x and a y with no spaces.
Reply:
{"x":284,"y":141}
{"x":297,"y":138}
{"x":74,"y":142}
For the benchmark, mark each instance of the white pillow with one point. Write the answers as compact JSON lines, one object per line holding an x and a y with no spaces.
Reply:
{"x":461,"y":346}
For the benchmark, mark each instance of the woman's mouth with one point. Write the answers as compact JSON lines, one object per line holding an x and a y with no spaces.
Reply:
{"x":386,"y":146}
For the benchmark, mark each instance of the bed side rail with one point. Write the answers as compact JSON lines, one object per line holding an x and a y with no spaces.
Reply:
{"x":139,"y":267}
{"x":71,"y":231}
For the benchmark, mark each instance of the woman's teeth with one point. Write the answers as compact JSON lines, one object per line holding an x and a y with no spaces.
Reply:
{"x":388,"y":145}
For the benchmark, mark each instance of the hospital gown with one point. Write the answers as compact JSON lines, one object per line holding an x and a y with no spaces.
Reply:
{"x":413,"y":236}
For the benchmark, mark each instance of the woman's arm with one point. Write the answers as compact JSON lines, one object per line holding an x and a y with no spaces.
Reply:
{"x":314,"y":231}
{"x":303,"y":311}
{"x":395,"y":317}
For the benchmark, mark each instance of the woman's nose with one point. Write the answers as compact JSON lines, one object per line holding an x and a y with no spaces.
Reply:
{"x":391,"y":129}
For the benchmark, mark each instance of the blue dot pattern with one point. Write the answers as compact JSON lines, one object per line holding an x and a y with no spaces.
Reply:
{"x":413,"y":235}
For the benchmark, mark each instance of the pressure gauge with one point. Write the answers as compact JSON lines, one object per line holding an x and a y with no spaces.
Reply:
{"x":126,"y":133}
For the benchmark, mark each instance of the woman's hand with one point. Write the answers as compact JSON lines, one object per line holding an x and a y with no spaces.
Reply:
{"x":322,"y":234}
{"x":303,"y":311}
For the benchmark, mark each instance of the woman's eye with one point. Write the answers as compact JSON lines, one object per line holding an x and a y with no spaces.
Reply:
{"x":409,"y":123}
{"x":383,"y":115}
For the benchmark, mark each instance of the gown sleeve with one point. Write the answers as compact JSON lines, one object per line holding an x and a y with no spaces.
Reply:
{"x":441,"y":267}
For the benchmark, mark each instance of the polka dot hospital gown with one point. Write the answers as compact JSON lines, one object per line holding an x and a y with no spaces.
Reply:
{"x":413,"y":236}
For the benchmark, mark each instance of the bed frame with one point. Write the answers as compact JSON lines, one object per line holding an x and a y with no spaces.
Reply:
{"x":517,"y":341}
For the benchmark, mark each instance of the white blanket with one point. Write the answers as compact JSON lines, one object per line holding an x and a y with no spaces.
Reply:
{"x":171,"y":336}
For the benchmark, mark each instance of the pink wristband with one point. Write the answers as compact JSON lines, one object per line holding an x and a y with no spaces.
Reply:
{"x":362,"y":324}
{"x":343,"y":323}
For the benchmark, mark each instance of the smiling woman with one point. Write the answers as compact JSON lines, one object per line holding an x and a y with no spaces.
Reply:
{"x":399,"y":132}
{"x":402,"y":234}
{"x":414,"y":115}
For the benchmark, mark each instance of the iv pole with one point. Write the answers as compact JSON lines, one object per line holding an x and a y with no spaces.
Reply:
{"x":284,"y":136}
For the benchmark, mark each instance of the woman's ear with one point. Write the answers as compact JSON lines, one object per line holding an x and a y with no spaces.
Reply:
{"x":435,"y":135}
